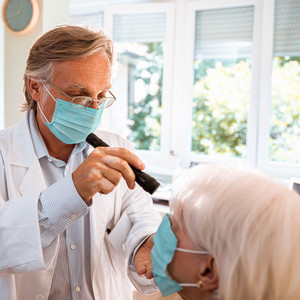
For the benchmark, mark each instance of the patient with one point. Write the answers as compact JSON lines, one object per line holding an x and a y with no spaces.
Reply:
{"x":233,"y":233}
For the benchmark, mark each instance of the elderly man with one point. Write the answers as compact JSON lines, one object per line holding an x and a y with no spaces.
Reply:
{"x":73,"y":224}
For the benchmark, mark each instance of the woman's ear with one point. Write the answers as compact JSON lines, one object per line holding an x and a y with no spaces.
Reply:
{"x":35,"y":89}
{"x":208,"y":274}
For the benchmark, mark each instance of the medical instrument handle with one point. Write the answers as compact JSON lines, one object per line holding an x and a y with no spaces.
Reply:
{"x":148,"y":183}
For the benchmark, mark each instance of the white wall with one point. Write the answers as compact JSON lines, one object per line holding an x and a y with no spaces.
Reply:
{"x":14,"y":55}
{"x":1,"y":73}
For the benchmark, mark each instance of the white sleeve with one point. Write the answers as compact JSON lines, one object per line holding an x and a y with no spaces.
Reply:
{"x":60,"y":206}
{"x":145,"y":221}
{"x":21,"y":249}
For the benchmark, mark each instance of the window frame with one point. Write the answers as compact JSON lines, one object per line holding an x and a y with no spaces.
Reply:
{"x":178,"y":84}
{"x":155,"y":158}
{"x":280,"y":169}
{"x":192,"y":8}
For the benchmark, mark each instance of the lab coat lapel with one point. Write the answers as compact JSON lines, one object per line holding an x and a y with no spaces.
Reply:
{"x":24,"y":162}
{"x":33,"y":181}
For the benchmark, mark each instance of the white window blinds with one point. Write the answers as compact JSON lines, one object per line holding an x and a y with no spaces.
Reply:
{"x":143,"y":28}
{"x":287,"y":28}
{"x":224,"y":33}
{"x":92,"y":19}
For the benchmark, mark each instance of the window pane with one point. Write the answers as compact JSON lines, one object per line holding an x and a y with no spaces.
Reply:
{"x":139,"y":40}
{"x":222,"y":73}
{"x":285,"y":94}
{"x":94,"y":20}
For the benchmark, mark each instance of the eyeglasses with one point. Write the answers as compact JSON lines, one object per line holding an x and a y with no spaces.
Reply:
{"x":85,"y":101}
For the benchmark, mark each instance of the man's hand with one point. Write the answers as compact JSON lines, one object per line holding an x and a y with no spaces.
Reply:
{"x":103,"y":169}
{"x":142,"y":260}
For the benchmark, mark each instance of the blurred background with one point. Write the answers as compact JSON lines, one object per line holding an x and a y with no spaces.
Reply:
{"x":196,"y":81}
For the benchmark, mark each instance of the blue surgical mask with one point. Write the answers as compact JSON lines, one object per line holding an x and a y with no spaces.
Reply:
{"x":165,"y":245}
{"x":70,"y":124}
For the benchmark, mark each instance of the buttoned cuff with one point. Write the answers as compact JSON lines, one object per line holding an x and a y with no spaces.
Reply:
{"x":61,"y":205}
{"x":132,"y":256}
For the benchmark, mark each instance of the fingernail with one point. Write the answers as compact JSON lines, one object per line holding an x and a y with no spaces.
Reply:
{"x":142,"y":166}
{"x":133,"y":185}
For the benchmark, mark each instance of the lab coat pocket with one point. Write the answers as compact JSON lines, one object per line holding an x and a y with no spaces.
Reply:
{"x":115,"y":241}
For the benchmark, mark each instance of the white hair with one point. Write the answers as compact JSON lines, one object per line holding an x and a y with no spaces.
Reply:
{"x":249,"y":223}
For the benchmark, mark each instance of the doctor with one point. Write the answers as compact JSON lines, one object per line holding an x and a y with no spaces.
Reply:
{"x":73,"y":223}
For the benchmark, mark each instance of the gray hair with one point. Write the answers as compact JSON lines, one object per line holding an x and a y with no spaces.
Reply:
{"x":249,"y":223}
{"x":60,"y":44}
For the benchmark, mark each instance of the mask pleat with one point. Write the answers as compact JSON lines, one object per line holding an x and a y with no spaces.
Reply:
{"x":72,"y":125}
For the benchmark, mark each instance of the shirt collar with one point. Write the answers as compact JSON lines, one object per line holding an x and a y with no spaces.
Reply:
{"x":38,"y":142}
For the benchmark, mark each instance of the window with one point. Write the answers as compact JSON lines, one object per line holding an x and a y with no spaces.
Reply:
{"x":204,"y":81}
{"x":87,"y":14}
{"x":142,"y":36}
{"x":222,"y":81}
{"x":284,"y":133}
{"x":140,"y":42}
{"x":277,"y":151}
{"x":93,"y":19}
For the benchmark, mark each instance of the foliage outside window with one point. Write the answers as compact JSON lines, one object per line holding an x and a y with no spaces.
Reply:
{"x":285,"y":111}
{"x":222,"y":81}
{"x":145,"y":95}
{"x":224,"y":87}
{"x":221,"y":96}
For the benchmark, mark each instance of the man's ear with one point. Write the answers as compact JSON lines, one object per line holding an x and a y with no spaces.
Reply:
{"x":35,"y":89}
{"x":208,"y":274}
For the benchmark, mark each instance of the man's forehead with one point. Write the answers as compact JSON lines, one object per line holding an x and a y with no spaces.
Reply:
{"x":97,"y":64}
{"x":84,"y":74}
{"x":99,"y":57}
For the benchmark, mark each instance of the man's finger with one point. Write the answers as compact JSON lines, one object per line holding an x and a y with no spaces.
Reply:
{"x":149,"y":274}
{"x":120,"y":165}
{"x":141,"y":270}
{"x":125,"y":154}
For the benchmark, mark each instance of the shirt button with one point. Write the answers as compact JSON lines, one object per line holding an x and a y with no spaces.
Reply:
{"x":73,"y":217}
{"x":73,"y":247}
{"x":50,"y":160}
{"x":77,"y":289}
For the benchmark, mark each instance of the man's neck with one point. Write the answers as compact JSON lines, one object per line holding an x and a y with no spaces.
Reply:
{"x":55,"y":147}
{"x":62,"y":152}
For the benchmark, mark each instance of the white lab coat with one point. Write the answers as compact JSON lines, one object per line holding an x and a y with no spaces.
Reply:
{"x":26,"y":269}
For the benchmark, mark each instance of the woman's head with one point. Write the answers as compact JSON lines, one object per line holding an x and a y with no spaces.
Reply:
{"x":249,"y":223}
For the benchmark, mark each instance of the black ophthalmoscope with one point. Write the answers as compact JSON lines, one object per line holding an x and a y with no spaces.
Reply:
{"x":148,"y":183}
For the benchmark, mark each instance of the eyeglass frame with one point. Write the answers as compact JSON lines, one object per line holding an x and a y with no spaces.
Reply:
{"x":99,"y":102}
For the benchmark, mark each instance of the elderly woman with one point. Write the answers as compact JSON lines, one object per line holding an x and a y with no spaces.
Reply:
{"x":232,"y":233}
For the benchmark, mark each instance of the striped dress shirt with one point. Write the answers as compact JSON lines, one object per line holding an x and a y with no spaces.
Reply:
{"x":72,"y":274}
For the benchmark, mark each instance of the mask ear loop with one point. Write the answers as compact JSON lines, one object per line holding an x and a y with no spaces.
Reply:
{"x":42,"y":112}
{"x":193,"y":251}
{"x":39,"y":102}
{"x":48,"y":91}
{"x":199,"y":283}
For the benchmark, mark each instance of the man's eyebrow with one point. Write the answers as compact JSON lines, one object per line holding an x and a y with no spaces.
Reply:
{"x":84,"y":89}
{"x":77,"y":86}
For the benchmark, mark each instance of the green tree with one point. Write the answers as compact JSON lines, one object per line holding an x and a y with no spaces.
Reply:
{"x":220,"y":107}
{"x":221,"y":96}
{"x":285,"y":110}
{"x":145,"y":115}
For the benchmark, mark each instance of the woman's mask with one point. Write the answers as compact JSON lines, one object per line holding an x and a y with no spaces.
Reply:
{"x":165,"y":245}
